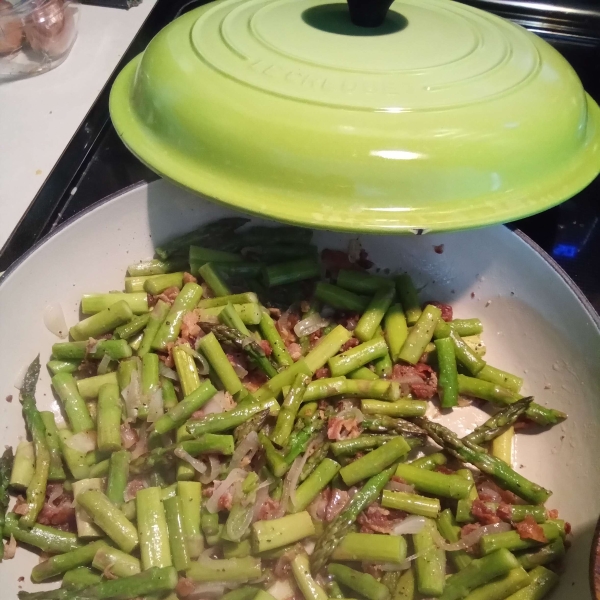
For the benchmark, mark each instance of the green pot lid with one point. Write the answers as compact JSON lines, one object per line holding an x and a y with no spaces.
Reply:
{"x":444,"y":117}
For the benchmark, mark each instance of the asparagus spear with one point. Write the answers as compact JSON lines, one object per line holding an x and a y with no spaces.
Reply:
{"x":36,"y":491}
{"x":310,"y":589}
{"x":471,"y":453}
{"x":151,"y":581}
{"x":47,"y":539}
{"x":363,"y":583}
{"x":211,"y":235}
{"x":255,"y":423}
{"x":384,"y":423}
{"x":5,"y":468}
{"x":315,"y":460}
{"x":495,"y":425}
{"x":341,"y":525}
{"x":244,"y":343}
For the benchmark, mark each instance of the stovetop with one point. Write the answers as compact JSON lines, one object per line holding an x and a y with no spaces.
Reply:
{"x":96,"y":164}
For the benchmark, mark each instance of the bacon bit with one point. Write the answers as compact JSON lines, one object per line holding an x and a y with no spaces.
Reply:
{"x":351,"y":343}
{"x":133,"y":487}
{"x":21,"y":579}
{"x":334,"y":260}
{"x":315,"y":336}
{"x":185,"y":587}
{"x":190,"y":329}
{"x":524,"y":424}
{"x":489,"y":491}
{"x":295,"y":351}
{"x":553,"y":514}
{"x":269,"y":510}
{"x":445,"y":308}
{"x":469,"y":528}
{"x":338,"y":500}
{"x":225,"y":501}
{"x":528,"y":529}
{"x":439,"y":249}
{"x":283,"y":566}
{"x":168,"y":295}
{"x":286,"y":328}
{"x":322,"y":373}
{"x":129,"y":436}
{"x":348,"y":320}
{"x":254,"y":380}
{"x":445,"y":470}
{"x":275,"y":312}
{"x":372,"y":569}
{"x":207,"y":491}
{"x":168,"y":360}
{"x":363,"y":259}
{"x":376,"y":519}
{"x":485,"y":515}
{"x":472,"y":294}
{"x":567,"y":528}
{"x":9,"y":398}
{"x":341,"y":429}
{"x":57,"y":510}
{"x":238,"y":359}
{"x":504,"y":512}
{"x":21,"y":507}
{"x":189,"y":278}
{"x":266,"y":347}
{"x":420,"y":378}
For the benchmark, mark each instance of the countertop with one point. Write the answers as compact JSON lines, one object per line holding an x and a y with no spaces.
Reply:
{"x":39,"y":115}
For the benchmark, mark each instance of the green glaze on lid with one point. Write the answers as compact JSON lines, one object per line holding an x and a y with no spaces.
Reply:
{"x":445,"y":117}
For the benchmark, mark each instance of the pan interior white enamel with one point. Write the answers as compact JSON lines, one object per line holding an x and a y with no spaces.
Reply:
{"x":535,"y":325}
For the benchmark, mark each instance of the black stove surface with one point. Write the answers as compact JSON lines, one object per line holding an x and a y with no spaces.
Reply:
{"x":97,"y":164}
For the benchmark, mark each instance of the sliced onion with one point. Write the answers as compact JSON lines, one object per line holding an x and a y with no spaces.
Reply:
{"x":20,"y":377}
{"x":84,"y":442}
{"x":293,"y":475}
{"x":239,"y":370}
{"x":412,"y":524}
{"x":351,"y":413}
{"x":132,"y":394}
{"x":164,"y":371}
{"x":354,"y":248}
{"x":309,"y":546}
{"x":282,"y":589}
{"x":261,"y":497}
{"x":156,"y":407}
{"x":391,"y":567}
{"x":220,"y":402}
{"x":204,"y":368}
{"x":212,"y":589}
{"x":468,"y":540}
{"x":195,"y":463}
{"x":103,"y":365}
{"x":235,"y":475}
{"x":10,"y":548}
{"x":237,"y":527}
{"x":214,"y":470}
{"x":490,"y":491}
{"x":309,"y":325}
{"x":129,"y":436}
{"x":248,"y":446}
{"x":142,"y":445}
{"x":396,"y":486}
{"x":56,"y":493}
{"x":54,"y":320}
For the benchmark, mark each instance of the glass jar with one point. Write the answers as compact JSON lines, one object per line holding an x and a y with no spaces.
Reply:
{"x":35,"y":36}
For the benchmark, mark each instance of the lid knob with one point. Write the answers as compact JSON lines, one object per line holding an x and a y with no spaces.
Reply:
{"x":368,"y":13}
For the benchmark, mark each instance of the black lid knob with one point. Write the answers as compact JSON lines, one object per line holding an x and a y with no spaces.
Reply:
{"x":368,"y":13}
